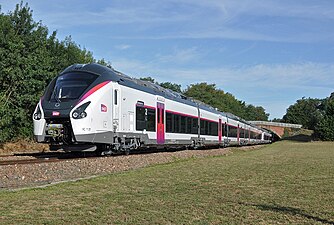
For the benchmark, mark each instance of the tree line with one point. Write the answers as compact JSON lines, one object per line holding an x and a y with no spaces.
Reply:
{"x":314,"y":114}
{"x":211,"y":95}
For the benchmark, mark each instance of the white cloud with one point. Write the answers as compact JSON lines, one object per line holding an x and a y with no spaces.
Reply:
{"x":123,"y":47}
{"x":191,"y":19}
{"x":179,"y":56}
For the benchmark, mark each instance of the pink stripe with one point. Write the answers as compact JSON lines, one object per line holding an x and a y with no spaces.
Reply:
{"x":91,"y":91}
{"x":146,"y":106}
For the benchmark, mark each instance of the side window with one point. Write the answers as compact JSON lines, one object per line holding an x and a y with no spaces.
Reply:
{"x":115,"y":97}
{"x":177,"y":119}
{"x":194,"y":129}
{"x":183,"y":124}
{"x":140,"y":118}
{"x":150,"y":125}
{"x":169,"y":123}
{"x":214,"y":129}
{"x":232,"y":131}
{"x":189,"y":119}
{"x":145,"y":119}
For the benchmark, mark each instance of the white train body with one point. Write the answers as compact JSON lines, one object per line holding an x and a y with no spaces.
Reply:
{"x":92,"y":107}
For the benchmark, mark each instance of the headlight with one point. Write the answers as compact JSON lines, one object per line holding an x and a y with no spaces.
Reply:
{"x":83,"y":114}
{"x":79,"y":112}
{"x":75,"y":115}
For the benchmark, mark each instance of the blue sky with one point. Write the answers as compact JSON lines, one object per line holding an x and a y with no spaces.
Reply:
{"x":267,"y":53}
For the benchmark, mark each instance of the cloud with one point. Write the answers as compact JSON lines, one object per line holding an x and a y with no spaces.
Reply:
{"x":123,"y":47}
{"x":273,"y":21}
{"x":179,"y":56}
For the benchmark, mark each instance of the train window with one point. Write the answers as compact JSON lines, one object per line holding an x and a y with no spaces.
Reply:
{"x":169,"y":123}
{"x":202,"y":127}
{"x":162,"y":116}
{"x":183,"y":124}
{"x":214,"y":129}
{"x":194,"y":128}
{"x":207,"y":127}
{"x":233,"y":131}
{"x":115,"y":97}
{"x":255,"y":135}
{"x":177,"y":119}
{"x":69,"y":86}
{"x":242,"y":134}
{"x":188,"y":122}
{"x":150,"y":125}
{"x":145,"y":119}
{"x":140,"y":118}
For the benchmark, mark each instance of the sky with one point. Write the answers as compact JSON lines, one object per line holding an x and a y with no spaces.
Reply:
{"x":267,"y":53}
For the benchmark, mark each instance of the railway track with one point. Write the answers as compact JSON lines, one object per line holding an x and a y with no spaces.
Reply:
{"x":49,"y":157}
{"x":16,"y":159}
{"x":28,"y":161}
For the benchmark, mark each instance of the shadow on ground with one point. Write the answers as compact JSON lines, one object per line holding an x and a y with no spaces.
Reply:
{"x":299,"y":138}
{"x":292,"y":211}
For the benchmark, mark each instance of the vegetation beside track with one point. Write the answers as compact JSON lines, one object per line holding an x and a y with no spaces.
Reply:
{"x":286,"y":182}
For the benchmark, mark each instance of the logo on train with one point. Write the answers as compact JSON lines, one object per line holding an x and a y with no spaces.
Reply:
{"x":55,"y":113}
{"x":104,"y":108}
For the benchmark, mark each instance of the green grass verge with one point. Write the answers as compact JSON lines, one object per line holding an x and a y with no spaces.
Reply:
{"x":283,"y":183}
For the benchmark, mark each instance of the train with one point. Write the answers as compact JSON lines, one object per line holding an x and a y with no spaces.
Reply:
{"x":91,"y":107}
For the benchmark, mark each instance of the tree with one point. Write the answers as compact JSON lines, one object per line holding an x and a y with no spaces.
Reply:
{"x":314,"y":114}
{"x":225,"y":102}
{"x":150,"y":79}
{"x":30,"y":59}
{"x":171,"y":86}
{"x":168,"y":85}
{"x":305,"y":112}
{"x":324,"y":129}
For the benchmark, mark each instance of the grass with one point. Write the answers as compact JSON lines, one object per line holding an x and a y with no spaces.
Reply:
{"x":283,"y":183}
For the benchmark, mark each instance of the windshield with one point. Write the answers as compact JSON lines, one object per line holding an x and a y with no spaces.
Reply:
{"x":71,"y":86}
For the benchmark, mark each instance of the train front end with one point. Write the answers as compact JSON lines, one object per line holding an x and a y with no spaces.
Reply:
{"x":68,"y":115}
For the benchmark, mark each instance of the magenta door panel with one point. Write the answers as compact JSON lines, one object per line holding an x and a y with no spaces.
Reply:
{"x":160,"y":123}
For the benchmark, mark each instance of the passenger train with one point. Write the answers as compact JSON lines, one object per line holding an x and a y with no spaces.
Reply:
{"x":90,"y":107}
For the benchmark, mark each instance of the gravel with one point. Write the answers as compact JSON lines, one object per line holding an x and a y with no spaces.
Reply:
{"x":41,"y":174}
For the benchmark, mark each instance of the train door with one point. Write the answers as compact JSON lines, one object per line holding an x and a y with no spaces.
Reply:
{"x":116,"y":108}
{"x":238,"y":134}
{"x":220,"y":130}
{"x":160,"y":123}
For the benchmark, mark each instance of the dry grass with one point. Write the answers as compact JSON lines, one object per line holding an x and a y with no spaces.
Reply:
{"x":284,"y":183}
{"x":22,"y":146}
